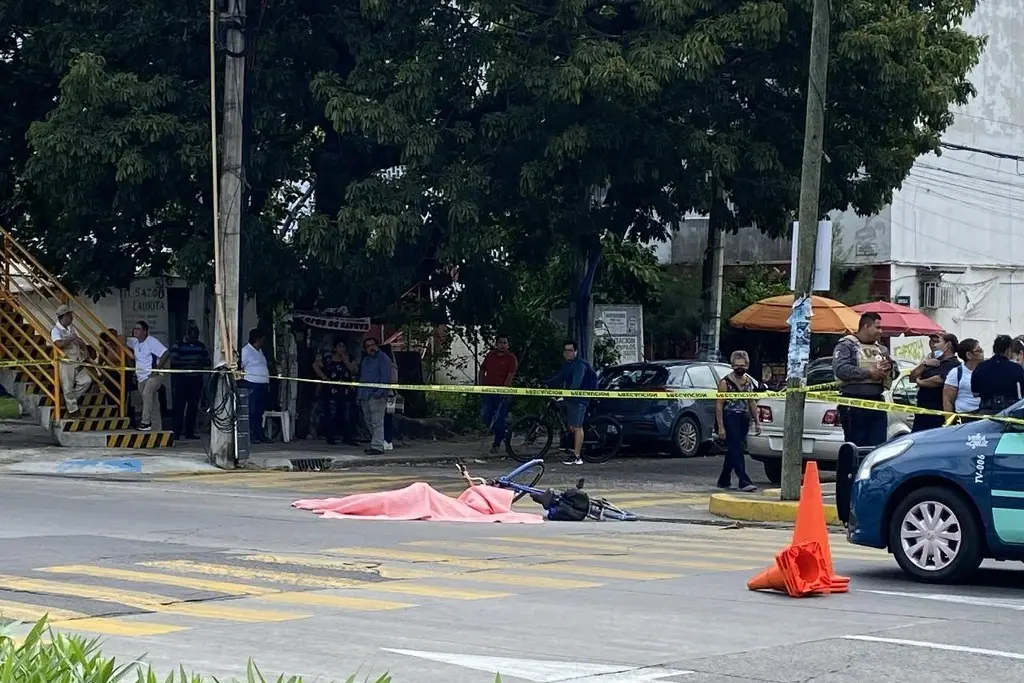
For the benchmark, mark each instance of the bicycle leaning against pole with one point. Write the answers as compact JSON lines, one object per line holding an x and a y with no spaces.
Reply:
{"x":602,"y":435}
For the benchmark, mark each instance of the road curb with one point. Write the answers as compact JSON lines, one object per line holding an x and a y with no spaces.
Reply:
{"x":758,"y":509}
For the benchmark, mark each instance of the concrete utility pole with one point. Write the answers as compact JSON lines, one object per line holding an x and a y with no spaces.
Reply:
{"x":232,"y":180}
{"x":712,"y":276}
{"x":810,"y":181}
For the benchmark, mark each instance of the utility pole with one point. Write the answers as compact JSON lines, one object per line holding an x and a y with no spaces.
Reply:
{"x":712,"y":276}
{"x":232,"y":181}
{"x":810,"y":181}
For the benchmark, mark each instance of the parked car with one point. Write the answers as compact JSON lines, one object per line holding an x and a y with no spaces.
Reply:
{"x":823,"y":433}
{"x":687,"y":425}
{"x":943,"y":500}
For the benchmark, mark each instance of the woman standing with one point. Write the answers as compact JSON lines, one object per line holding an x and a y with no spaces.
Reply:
{"x":335,"y":399}
{"x":957,"y":396}
{"x":734,"y":418}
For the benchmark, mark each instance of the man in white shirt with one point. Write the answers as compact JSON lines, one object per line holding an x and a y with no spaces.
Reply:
{"x":150,"y":355}
{"x":74,"y":378}
{"x":257,"y":381}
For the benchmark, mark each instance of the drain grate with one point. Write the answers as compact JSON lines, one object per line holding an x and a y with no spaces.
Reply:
{"x":311,"y":464}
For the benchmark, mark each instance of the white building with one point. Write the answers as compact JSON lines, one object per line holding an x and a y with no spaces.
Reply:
{"x":952,"y":241}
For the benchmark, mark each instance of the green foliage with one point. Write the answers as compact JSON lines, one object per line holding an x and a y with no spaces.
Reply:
{"x":453,"y":142}
{"x":45,"y":656}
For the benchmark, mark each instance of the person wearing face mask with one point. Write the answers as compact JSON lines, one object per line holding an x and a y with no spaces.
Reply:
{"x":734,"y":417}
{"x":930,"y":377}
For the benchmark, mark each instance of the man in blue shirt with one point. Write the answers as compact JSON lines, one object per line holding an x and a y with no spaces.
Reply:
{"x":576,"y":373}
{"x":376,"y":369}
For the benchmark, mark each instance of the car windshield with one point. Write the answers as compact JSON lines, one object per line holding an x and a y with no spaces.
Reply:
{"x":631,"y":377}
{"x":1016,"y":410}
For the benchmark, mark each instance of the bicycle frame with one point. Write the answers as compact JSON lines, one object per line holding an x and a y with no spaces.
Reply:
{"x":604,"y":508}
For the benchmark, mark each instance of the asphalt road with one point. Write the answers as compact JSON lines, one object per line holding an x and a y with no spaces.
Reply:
{"x":209,"y":576}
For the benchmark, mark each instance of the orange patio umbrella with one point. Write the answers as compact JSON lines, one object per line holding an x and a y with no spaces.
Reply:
{"x":770,"y":315}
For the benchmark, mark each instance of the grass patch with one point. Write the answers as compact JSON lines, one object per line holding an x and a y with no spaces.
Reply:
{"x":9,"y":409}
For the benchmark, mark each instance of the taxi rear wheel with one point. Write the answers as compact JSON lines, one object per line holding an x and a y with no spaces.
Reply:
{"x":934,"y":536}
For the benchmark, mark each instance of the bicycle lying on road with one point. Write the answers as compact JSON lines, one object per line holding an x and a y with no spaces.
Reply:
{"x":602,"y":435}
{"x":568,"y":505}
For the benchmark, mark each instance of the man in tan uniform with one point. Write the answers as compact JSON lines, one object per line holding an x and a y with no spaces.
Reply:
{"x":74,"y":377}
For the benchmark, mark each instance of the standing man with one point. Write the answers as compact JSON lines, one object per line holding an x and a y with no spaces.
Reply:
{"x":498,"y":370}
{"x":930,"y":377}
{"x":576,"y":373}
{"x":187,"y":387}
{"x":74,"y":378}
{"x":375,"y":369}
{"x":864,"y":370}
{"x":257,"y":381}
{"x":150,"y":355}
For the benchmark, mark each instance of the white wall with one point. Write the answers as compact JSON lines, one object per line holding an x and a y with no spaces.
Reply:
{"x":966,"y":207}
{"x":989,"y":301}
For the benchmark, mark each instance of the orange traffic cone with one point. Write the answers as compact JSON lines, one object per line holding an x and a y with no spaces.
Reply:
{"x":811,"y":526}
{"x":797,"y":571}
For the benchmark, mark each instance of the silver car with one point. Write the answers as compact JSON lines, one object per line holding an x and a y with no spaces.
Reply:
{"x":823,"y":433}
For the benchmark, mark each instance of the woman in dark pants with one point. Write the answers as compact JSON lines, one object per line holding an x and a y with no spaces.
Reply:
{"x":734,"y":417}
{"x":334,"y":399}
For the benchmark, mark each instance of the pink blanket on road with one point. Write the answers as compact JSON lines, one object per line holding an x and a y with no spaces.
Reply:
{"x":420,"y":501}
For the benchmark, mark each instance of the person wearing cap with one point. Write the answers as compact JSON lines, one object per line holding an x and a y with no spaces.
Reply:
{"x":930,"y":377}
{"x":187,"y":387}
{"x":74,"y":377}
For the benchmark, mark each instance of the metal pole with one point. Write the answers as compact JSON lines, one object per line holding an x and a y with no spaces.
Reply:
{"x":810,"y":181}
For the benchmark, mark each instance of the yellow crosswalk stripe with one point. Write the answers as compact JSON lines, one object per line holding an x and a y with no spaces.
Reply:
{"x":163,"y":579}
{"x":772,"y":543}
{"x":416,"y":557}
{"x":254,"y":574}
{"x":337,"y":601}
{"x":77,"y":621}
{"x":20,"y":611}
{"x":638,"y":546}
{"x":404,"y":573}
{"x":605,"y":572}
{"x":146,"y":601}
{"x":631,"y":558}
{"x":383,"y":571}
{"x":114,"y":626}
{"x":309,"y":581}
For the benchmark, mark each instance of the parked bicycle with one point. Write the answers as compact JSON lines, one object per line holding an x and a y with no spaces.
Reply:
{"x":531,"y":437}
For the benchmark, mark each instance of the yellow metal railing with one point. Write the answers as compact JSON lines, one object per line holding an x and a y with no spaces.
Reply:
{"x":36,"y":295}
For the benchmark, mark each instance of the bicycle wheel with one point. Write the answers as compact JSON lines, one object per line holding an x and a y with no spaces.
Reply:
{"x":529,"y":477}
{"x":602,"y":439}
{"x":528,"y":439}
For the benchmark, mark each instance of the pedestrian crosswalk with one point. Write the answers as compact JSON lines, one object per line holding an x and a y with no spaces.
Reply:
{"x":337,"y":484}
{"x":264,"y":587}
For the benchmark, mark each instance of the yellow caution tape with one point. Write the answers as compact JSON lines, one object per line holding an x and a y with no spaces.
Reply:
{"x":475,"y":389}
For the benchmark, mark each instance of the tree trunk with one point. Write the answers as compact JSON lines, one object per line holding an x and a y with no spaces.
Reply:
{"x":580,"y":324}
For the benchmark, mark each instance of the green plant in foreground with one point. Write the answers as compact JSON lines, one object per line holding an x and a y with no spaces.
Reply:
{"x":44,"y":656}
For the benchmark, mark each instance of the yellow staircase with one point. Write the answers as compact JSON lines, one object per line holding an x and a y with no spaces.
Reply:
{"x":30,"y":363}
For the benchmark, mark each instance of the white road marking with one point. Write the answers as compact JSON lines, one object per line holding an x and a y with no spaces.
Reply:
{"x":977,"y":601}
{"x":543,"y":671}
{"x":940,"y":646}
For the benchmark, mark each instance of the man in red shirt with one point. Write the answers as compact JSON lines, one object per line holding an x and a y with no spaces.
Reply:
{"x":498,"y":370}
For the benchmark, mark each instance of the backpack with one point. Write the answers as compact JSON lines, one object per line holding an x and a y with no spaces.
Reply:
{"x":571,"y":505}
{"x":589,"y":382}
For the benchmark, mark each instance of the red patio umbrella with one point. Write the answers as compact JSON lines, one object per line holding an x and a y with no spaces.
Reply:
{"x":897,"y":320}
